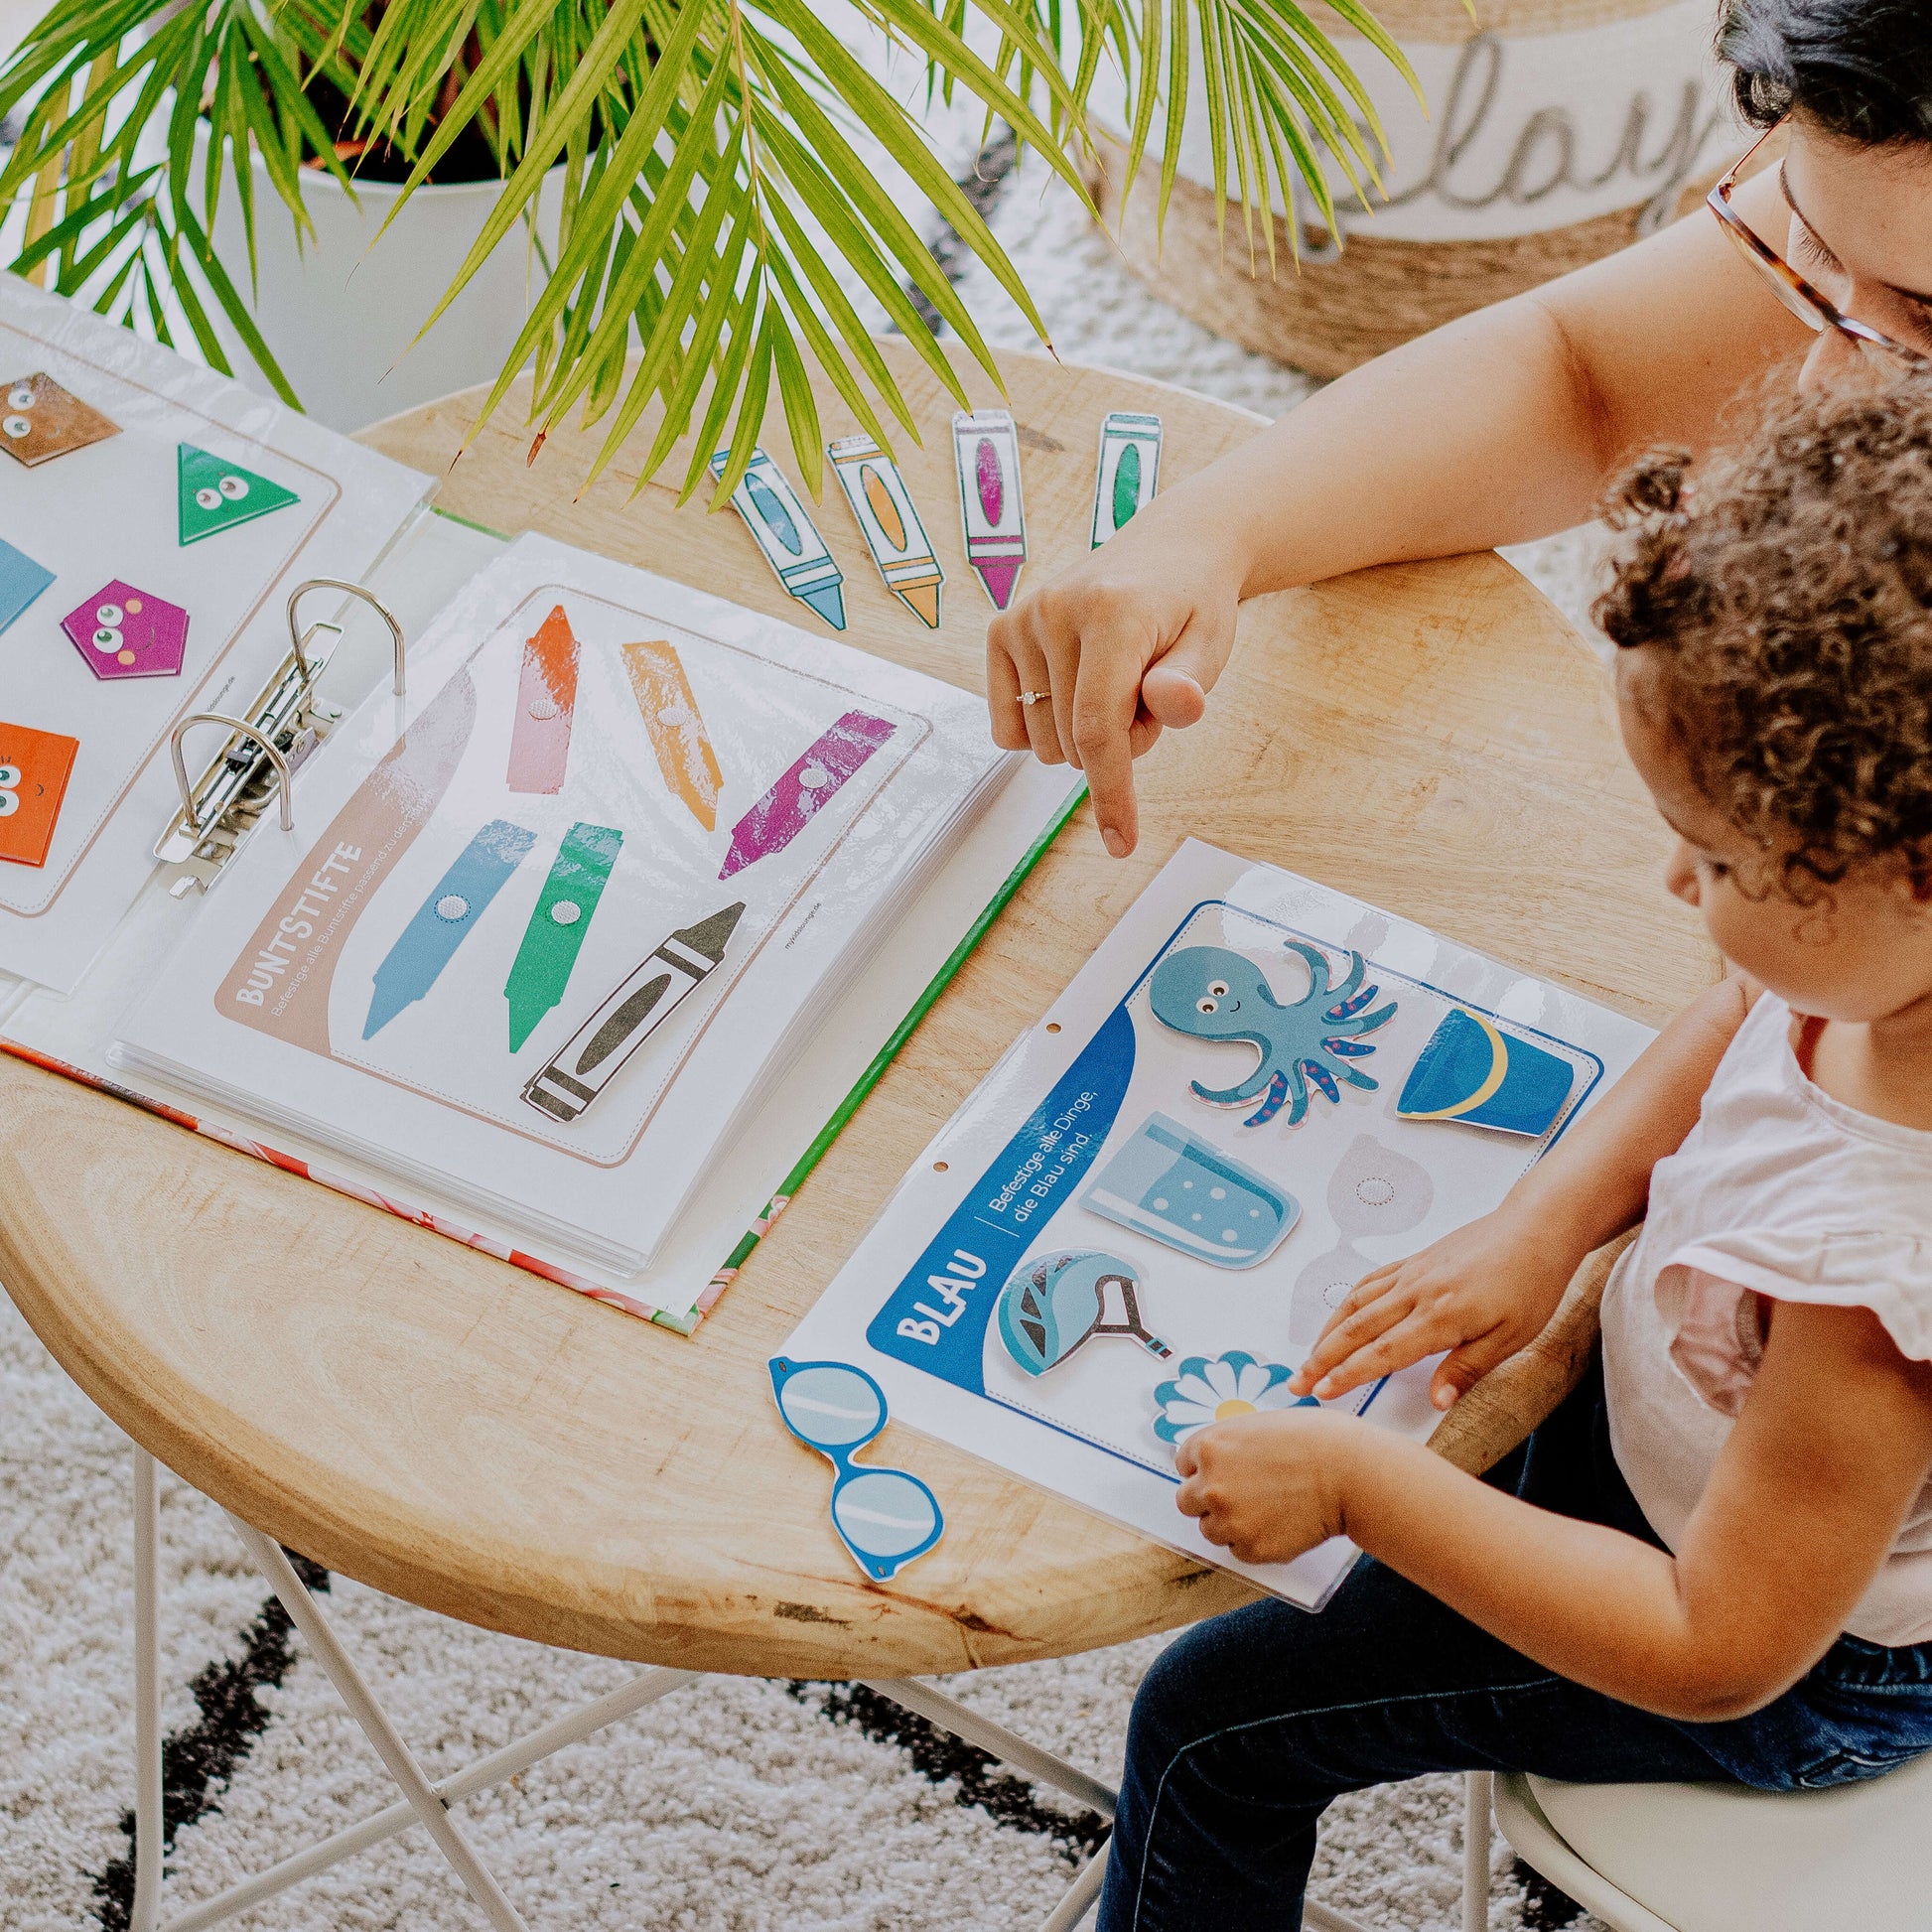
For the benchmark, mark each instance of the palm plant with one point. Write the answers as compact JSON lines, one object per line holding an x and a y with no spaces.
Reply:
{"x":719,"y":221}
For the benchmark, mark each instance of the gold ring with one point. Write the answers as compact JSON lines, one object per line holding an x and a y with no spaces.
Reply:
{"x":1034,"y":697}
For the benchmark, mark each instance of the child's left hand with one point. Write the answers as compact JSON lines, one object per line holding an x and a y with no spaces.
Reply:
{"x":1268,"y":1487}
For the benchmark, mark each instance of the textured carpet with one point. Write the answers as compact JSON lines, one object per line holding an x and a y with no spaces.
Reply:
{"x":732,"y":1805}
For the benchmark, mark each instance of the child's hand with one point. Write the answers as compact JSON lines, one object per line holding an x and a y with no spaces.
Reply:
{"x":1481,"y":1292}
{"x":1268,"y":1487}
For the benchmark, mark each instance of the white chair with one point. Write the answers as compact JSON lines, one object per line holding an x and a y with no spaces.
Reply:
{"x":1719,"y":1858}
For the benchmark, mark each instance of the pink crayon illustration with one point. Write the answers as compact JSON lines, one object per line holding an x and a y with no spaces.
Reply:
{"x":985,"y":448}
{"x":546,"y":707}
{"x":803,"y":788}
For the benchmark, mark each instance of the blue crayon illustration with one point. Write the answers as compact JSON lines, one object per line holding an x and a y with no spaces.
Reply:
{"x":787,"y":536}
{"x":443,"y":921}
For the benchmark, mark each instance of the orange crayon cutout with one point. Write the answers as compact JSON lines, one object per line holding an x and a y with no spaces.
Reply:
{"x":677,"y":734}
{"x":883,"y":508}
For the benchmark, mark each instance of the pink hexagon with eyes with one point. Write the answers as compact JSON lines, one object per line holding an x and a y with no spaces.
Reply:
{"x":123,"y":631}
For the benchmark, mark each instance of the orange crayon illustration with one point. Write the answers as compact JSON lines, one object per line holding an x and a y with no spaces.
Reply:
{"x":890,"y":522}
{"x":677,"y":734}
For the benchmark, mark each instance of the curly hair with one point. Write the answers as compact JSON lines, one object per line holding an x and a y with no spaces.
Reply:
{"x":1786,"y":586}
{"x":1861,"y":69}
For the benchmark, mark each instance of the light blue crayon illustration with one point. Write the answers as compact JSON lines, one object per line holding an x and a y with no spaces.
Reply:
{"x":787,"y":536}
{"x":443,"y":921}
{"x":1179,"y":1189}
{"x":21,"y":580}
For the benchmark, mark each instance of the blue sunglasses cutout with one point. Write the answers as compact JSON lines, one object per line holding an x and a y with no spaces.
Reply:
{"x":885,"y":1517}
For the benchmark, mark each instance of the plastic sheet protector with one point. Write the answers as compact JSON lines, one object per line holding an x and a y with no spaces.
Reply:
{"x":551,"y":926}
{"x":153,"y":518}
{"x":1257,"y":1090}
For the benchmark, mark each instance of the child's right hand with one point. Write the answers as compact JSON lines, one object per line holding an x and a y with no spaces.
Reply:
{"x":1482,"y":1292}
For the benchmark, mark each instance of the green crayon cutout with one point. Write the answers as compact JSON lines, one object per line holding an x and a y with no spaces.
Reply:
{"x":555,"y":935}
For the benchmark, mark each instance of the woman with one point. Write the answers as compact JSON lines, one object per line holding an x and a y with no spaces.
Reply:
{"x":1509,"y":424}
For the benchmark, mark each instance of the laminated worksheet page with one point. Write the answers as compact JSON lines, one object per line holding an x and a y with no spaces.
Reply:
{"x":546,"y":922}
{"x":154,"y":518}
{"x":1255,"y":1092}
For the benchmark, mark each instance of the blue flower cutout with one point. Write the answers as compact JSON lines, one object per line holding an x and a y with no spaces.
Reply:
{"x":1219,"y":1389}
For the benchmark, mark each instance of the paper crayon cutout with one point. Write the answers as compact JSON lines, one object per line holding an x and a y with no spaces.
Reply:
{"x":39,"y":419}
{"x":1129,"y":471}
{"x":21,"y":580}
{"x":644,"y":998}
{"x":120,"y":631}
{"x":546,"y":707}
{"x":1179,"y":1189}
{"x":445,"y":919}
{"x":34,"y":766}
{"x":789,"y":539}
{"x":1470,"y":1072}
{"x":1055,"y":1304}
{"x":802,"y":788}
{"x":1214,"y":994}
{"x":677,"y":732}
{"x":212,"y":495}
{"x":555,"y":934}
{"x":985,"y":448}
{"x":890,"y":524}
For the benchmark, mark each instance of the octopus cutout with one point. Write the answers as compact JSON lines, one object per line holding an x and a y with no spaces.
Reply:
{"x":1211,"y":993}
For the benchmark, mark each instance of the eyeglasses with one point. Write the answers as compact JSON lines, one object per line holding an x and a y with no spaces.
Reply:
{"x":1816,"y":311}
{"x":885,"y":1517}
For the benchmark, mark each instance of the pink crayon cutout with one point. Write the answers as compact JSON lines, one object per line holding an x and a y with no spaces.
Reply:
{"x":985,"y":464}
{"x":802,"y":787}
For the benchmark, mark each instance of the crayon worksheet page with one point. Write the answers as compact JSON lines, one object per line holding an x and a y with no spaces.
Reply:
{"x":153,"y":518}
{"x":1256,"y":1091}
{"x":548,"y":924}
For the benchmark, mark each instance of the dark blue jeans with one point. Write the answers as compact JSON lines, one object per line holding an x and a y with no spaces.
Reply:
{"x":1250,"y":1723}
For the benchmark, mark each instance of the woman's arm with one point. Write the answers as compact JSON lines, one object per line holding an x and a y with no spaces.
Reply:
{"x":1830,"y":1450}
{"x":1500,"y":427}
{"x":1485,"y":1290}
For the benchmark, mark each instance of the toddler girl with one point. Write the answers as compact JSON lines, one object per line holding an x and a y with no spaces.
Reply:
{"x":1715,"y":1560}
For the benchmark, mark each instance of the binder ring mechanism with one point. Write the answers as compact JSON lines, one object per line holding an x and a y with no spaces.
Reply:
{"x":267,"y":746}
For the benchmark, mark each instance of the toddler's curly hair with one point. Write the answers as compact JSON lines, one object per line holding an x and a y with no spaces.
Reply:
{"x":1785,"y":586}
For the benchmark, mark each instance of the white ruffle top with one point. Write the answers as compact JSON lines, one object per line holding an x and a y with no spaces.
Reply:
{"x":1783,"y":1192}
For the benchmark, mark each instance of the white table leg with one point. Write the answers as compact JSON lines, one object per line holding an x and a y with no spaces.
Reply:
{"x":397,"y":1755}
{"x":1081,"y":1896}
{"x":1477,"y":1794}
{"x":148,"y":1823}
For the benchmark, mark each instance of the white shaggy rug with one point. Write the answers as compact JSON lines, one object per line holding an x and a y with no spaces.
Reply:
{"x":733,"y":1806}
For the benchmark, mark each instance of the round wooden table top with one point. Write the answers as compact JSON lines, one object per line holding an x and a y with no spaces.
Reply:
{"x":447,"y":1428}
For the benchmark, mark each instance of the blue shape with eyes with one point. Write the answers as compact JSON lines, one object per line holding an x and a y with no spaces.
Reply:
{"x":1211,"y":993}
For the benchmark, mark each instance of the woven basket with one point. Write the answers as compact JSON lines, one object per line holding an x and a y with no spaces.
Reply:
{"x":1542,"y":93}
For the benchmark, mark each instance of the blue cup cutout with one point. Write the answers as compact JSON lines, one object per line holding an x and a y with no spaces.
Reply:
{"x":883,"y":1517}
{"x":1471,"y":1070}
{"x":1180,"y":1189}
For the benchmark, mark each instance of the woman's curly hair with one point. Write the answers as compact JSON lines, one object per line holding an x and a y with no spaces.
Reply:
{"x":1785,"y":586}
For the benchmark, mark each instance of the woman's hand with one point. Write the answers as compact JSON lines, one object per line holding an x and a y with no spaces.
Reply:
{"x":1268,"y":1487}
{"x":1482,"y":1292}
{"x":1126,"y":641}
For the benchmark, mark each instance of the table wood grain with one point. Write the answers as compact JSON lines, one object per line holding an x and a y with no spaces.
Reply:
{"x":437,"y":1424}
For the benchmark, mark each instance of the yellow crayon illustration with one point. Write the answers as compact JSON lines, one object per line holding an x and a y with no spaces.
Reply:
{"x":890,"y":524}
{"x":677,"y":734}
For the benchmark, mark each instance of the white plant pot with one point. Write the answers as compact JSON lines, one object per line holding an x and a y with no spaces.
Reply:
{"x":340,"y":316}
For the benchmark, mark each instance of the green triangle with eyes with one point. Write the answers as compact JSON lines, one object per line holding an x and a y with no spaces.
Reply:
{"x":215,"y":494}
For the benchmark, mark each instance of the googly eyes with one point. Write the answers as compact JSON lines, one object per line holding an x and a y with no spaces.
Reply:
{"x":9,"y":778}
{"x":1207,"y":1005}
{"x":207,"y":497}
{"x":17,"y":427}
{"x":21,"y":396}
{"x":234,"y":489}
{"x":106,"y":639}
{"x":1218,"y":988}
{"x":9,"y":803}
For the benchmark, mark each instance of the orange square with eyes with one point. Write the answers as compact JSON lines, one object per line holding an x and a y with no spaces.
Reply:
{"x":34,"y":766}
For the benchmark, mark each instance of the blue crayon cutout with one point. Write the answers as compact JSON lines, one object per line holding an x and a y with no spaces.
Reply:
{"x":443,"y":921}
{"x":1211,"y":993}
{"x":1471,"y":1070}
{"x":1179,"y":1189}
{"x":21,"y":580}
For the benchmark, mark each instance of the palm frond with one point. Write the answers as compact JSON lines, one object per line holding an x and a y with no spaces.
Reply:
{"x":715,"y":169}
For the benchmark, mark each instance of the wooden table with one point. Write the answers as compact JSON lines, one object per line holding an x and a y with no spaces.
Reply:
{"x":450,"y":1429}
